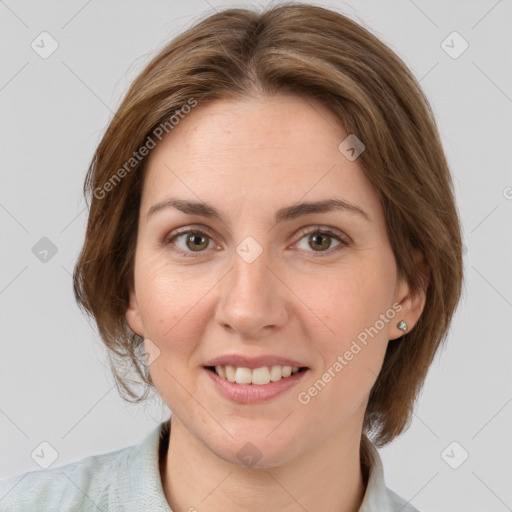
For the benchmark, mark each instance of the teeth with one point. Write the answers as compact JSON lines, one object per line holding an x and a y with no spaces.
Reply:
{"x":221,"y":371}
{"x":258,"y":376}
{"x":243,"y":376}
{"x":286,"y":371}
{"x":275,"y":373}
{"x":230,"y":373}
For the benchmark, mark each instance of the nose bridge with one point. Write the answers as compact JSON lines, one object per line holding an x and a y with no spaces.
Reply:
{"x":250,"y":297}
{"x":250,"y":272}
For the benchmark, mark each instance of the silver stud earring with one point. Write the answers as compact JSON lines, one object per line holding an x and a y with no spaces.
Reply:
{"x":402,"y":325}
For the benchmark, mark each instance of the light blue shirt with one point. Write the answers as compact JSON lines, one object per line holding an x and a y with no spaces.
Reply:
{"x":128,"y":480}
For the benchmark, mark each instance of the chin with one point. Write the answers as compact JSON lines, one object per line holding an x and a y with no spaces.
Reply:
{"x":255,"y":453}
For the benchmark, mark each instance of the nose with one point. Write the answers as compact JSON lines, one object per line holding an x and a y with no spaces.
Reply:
{"x":252,"y":298}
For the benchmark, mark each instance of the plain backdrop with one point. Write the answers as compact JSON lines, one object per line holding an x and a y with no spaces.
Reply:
{"x":55,"y":384}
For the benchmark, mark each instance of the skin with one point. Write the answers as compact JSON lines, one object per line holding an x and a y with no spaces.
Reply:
{"x":298,"y":299}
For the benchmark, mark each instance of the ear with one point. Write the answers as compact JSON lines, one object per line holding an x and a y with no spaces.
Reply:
{"x":133,"y":316}
{"x":411,"y":301}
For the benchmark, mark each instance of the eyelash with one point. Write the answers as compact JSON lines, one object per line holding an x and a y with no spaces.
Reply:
{"x":317,"y":230}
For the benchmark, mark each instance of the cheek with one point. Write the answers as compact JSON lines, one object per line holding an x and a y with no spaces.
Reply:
{"x":353,"y":316}
{"x":159,"y":297}
{"x":351,"y":297}
{"x":172,"y":306}
{"x":351,"y":358}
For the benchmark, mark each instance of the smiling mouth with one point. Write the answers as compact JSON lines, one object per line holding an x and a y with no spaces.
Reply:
{"x":257,"y":376}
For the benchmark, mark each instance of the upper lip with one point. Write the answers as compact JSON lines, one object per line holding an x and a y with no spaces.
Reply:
{"x":241,"y":361}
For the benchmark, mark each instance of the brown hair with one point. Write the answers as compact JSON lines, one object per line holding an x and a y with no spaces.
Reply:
{"x":320,"y":55}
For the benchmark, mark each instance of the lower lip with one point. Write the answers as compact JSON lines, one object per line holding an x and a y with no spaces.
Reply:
{"x":254,"y":393}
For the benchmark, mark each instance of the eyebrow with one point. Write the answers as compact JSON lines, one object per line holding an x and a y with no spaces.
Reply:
{"x":291,"y":212}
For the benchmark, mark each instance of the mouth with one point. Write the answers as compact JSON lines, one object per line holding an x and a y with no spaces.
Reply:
{"x":255,"y":376}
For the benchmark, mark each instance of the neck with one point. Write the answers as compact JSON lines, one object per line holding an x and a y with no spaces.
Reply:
{"x":328,"y":479}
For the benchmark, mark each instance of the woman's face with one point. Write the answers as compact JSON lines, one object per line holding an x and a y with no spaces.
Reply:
{"x":249,"y":286}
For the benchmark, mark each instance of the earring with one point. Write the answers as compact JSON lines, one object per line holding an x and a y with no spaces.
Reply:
{"x":402,"y":325}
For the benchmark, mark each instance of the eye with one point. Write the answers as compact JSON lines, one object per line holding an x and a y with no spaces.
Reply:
{"x":193,"y":241}
{"x":320,"y":239}
{"x":197,"y":241}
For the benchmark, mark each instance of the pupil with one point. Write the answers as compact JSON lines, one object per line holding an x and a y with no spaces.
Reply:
{"x":315,"y":237}
{"x":193,"y":239}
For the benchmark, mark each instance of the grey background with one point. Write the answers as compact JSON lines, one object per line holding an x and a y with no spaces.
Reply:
{"x":55,"y":384}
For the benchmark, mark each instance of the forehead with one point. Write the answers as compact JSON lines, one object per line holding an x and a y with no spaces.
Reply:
{"x":267,"y":151}
{"x":282,"y":124}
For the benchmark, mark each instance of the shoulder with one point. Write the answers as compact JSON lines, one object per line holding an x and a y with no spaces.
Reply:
{"x":83,"y":485}
{"x":398,"y":503}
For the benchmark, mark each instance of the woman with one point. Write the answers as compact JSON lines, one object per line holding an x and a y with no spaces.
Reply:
{"x":274,"y":246}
